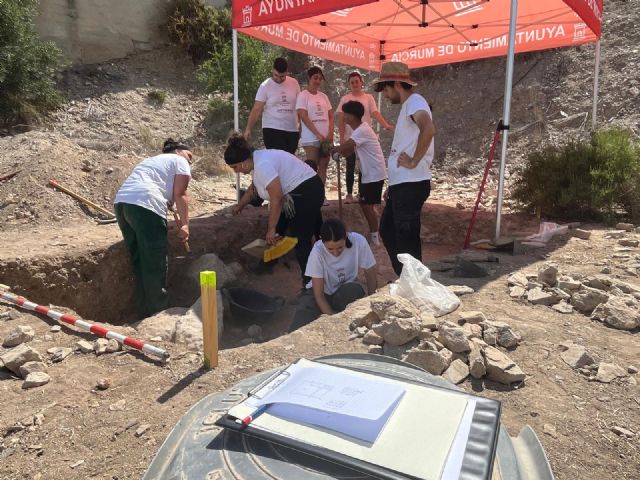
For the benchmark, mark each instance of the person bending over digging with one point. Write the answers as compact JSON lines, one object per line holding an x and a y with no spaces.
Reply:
{"x":333,"y":266}
{"x":292,"y":187}
{"x":141,"y":210}
{"x":364,"y":142}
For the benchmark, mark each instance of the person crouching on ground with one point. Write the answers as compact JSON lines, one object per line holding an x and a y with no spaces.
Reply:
{"x":333,"y":266}
{"x":141,"y":210}
{"x":364,"y":142}
{"x":316,"y":118}
{"x":291,"y":186}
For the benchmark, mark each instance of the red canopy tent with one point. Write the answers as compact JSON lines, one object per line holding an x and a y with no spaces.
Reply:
{"x":421,"y":33}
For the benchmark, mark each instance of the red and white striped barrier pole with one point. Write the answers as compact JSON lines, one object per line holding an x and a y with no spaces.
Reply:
{"x":84,"y":325}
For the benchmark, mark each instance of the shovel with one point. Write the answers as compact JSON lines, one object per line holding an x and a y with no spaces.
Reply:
{"x":336,"y":157}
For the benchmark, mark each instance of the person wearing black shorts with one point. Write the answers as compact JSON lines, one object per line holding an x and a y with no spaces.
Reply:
{"x":365,"y":144}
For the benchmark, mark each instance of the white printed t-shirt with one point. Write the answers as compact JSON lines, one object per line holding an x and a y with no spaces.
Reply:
{"x":317,"y":107}
{"x":271,"y":164}
{"x":405,"y":139}
{"x":280,"y":101}
{"x":150,"y":184}
{"x":336,"y":271}
{"x":367,"y":102}
{"x":369,"y":153}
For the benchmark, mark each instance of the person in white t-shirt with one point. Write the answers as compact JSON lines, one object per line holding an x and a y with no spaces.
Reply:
{"x":364,"y":142}
{"x":276,"y":101}
{"x":409,"y":164}
{"x":316,"y":118}
{"x":356,"y":85}
{"x":292,"y":187}
{"x":333,"y":266}
{"x":141,"y":210}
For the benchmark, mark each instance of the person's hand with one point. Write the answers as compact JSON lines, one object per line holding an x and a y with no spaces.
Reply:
{"x":321,"y":138}
{"x":389,"y":126}
{"x":183,"y":233}
{"x":236,"y":209}
{"x":386,"y":195}
{"x":329,"y":138}
{"x":272,"y":236}
{"x":405,"y":160}
{"x":247,"y":135}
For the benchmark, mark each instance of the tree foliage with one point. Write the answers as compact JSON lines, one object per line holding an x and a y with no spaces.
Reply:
{"x":28,"y":66}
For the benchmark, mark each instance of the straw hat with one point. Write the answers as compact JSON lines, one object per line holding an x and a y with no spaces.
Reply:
{"x":394,"y":72}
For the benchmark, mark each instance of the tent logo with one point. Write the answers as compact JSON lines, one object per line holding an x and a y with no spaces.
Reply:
{"x":463,"y":8}
{"x":246,"y":15}
{"x":579,"y":31}
{"x":342,"y":13}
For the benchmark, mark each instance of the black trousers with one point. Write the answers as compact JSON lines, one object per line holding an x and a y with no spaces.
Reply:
{"x":400,"y":220}
{"x":351,"y":172}
{"x":308,"y":198}
{"x":280,"y":140}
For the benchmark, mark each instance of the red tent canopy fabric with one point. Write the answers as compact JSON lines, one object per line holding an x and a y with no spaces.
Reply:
{"x":420,"y":33}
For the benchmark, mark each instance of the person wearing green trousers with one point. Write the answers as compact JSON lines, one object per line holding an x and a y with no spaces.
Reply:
{"x":141,"y":207}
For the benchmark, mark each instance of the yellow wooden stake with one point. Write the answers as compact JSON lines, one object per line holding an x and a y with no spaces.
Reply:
{"x":209,"y":318}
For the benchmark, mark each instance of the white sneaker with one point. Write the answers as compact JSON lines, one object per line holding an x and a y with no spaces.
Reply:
{"x":375,"y":238}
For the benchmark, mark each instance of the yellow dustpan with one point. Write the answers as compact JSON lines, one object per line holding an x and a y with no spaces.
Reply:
{"x":282,"y":247}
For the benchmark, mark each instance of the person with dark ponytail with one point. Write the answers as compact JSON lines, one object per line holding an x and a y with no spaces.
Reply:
{"x":141,"y":207}
{"x":333,"y":266}
{"x":292,"y":187}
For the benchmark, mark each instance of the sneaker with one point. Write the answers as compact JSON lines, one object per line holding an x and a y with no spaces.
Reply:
{"x":349,"y":199}
{"x":326,"y":203}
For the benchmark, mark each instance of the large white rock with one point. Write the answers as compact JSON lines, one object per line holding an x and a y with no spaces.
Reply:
{"x":477,"y":368}
{"x":618,"y":313}
{"x":210,"y":262}
{"x":607,"y":372}
{"x":453,"y":337}
{"x":398,"y":331}
{"x":587,"y":298}
{"x":457,"y":372}
{"x":387,"y":306}
{"x":20,"y":334}
{"x":31,"y":367}
{"x":500,"y":368}
{"x":432,"y":362}
{"x":548,"y":274}
{"x":36,"y":379}
{"x":576,"y":356}
{"x":16,"y":357}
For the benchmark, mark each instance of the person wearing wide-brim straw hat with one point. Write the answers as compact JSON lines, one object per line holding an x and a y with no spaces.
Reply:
{"x":409,"y":164}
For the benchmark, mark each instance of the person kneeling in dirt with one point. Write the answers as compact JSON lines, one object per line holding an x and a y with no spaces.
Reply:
{"x":365,"y":145}
{"x":141,"y":210}
{"x":292,"y":187}
{"x":333,"y":266}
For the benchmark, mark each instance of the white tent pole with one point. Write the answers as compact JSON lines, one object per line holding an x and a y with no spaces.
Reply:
{"x":596,"y":76}
{"x":507,"y":111}
{"x":236,"y":118}
{"x":380,"y":110}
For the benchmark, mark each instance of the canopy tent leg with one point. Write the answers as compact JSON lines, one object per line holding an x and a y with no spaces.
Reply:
{"x":236,"y":104}
{"x":507,"y":112}
{"x":596,"y":75}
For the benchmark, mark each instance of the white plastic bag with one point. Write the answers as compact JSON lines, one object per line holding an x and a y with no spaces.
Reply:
{"x":547,"y":231}
{"x":415,"y":284}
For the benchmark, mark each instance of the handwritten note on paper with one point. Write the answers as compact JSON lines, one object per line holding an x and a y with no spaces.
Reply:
{"x":338,"y":399}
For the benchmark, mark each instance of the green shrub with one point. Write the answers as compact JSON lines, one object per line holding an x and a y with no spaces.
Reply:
{"x":157,"y":97}
{"x":219,"y":120}
{"x":199,"y":29}
{"x":583,"y":180}
{"x":255,"y":60}
{"x":28,"y":66}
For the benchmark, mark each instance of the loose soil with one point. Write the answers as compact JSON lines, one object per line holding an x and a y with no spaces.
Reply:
{"x":53,"y":252}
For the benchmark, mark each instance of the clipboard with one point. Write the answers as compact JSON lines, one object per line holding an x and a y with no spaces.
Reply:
{"x":478,"y":442}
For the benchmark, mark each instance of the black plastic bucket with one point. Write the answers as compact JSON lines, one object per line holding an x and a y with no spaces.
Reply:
{"x":251,"y":306}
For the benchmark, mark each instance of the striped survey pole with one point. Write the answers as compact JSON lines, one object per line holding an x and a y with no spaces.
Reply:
{"x":84,"y":325}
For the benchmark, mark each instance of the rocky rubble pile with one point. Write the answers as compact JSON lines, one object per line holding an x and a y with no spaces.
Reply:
{"x":590,"y":365}
{"x":454,"y":346}
{"x":602,"y":297}
{"x":27,"y":363}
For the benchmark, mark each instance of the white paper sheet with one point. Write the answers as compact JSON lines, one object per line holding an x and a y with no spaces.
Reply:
{"x":336,"y":399}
